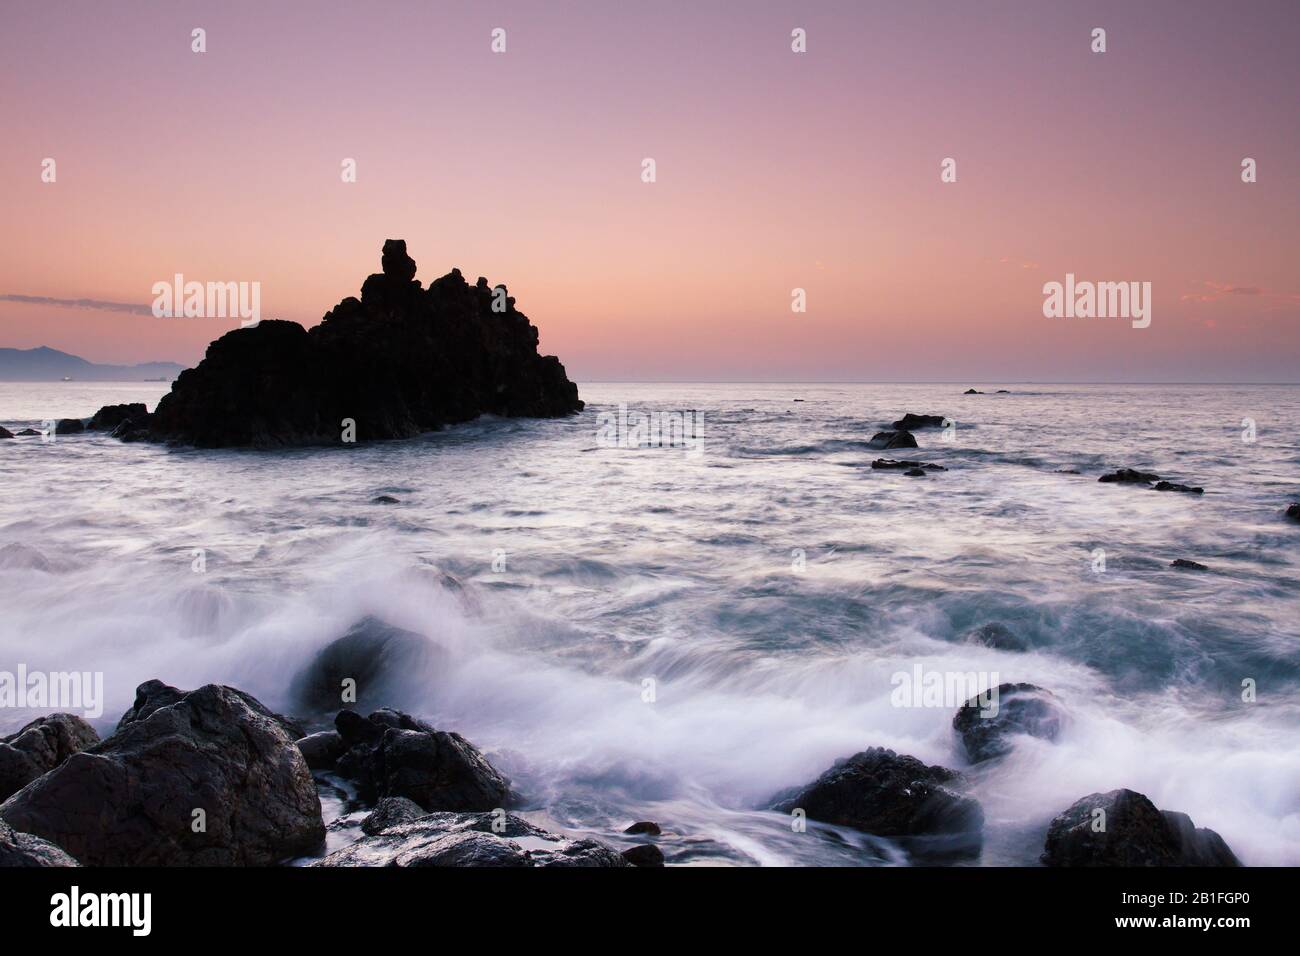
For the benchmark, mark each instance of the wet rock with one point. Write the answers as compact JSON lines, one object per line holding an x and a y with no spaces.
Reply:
{"x":399,"y":361}
{"x":26,"y":432}
{"x":914,"y":473}
{"x":647,"y":854}
{"x":391,"y":754}
{"x":321,"y":750}
{"x":891,"y":464}
{"x":5,"y":433}
{"x":910,"y":422}
{"x":110,"y":416}
{"x":989,"y":731}
{"x":1130,"y":476}
{"x":132,"y":429}
{"x":644,"y":826}
{"x":153,"y":694}
{"x":897,"y":796}
{"x":471,"y":839}
{"x":24,"y":850}
{"x":1174,"y":486}
{"x":894,"y":439}
{"x":1124,"y":828}
{"x":383,"y":500}
{"x":1293,"y":512}
{"x":385,"y":663}
{"x":1003,"y":391}
{"x":39,"y":747}
{"x":997,"y":635}
{"x":69,"y":426}
{"x":391,"y":812}
{"x":971,"y":391}
{"x":131,"y":799}
{"x":1189,"y":565}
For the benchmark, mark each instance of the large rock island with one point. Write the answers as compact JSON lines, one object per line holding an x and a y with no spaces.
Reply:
{"x":400,"y":360}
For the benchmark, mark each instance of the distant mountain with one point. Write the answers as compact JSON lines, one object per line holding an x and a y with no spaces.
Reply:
{"x":50,"y":365}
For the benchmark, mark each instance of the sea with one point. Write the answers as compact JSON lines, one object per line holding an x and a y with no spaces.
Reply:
{"x":676,"y":632}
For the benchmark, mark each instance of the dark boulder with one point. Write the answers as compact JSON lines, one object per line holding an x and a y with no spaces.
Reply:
{"x":27,"y":432}
{"x":894,"y":439}
{"x":910,"y":422}
{"x":971,"y":391}
{"x":383,"y":500}
{"x":988,"y":725}
{"x":391,"y":812}
{"x":69,"y":426}
{"x":1003,"y":391}
{"x":644,"y":826}
{"x":23,"y":849}
{"x":110,"y":416}
{"x":386,"y":663}
{"x":5,"y":433}
{"x":891,"y":464}
{"x":1124,"y":828}
{"x":154,"y":694}
{"x":132,"y":429}
{"x":914,"y":473}
{"x":897,"y":796}
{"x":39,"y":747}
{"x":1174,"y":486}
{"x":1293,"y":512}
{"x":134,"y":798}
{"x":321,"y":750}
{"x":997,"y":635}
{"x":399,"y":361}
{"x":1129,"y":476}
{"x":1188,"y":565}
{"x":471,"y":839}
{"x":647,"y":854}
{"x":390,"y":754}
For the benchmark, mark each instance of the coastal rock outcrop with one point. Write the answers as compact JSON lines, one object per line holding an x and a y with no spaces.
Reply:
{"x":1130,"y":476}
{"x":1293,"y":512}
{"x":23,"y":849}
{"x":897,"y":796}
{"x":391,"y":754}
{"x":110,"y":416}
{"x":910,"y":422}
{"x":5,"y":433}
{"x":39,"y":747}
{"x":1124,"y":828}
{"x":892,"y":439}
{"x":1188,"y":565}
{"x":398,"y":361}
{"x":209,"y":778}
{"x":890,"y":464}
{"x":1174,"y":486}
{"x":69,"y":426}
{"x":469,"y":839}
{"x":989,"y":731}
{"x":383,"y":662}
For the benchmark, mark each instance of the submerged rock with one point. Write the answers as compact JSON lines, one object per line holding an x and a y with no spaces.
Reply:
{"x":1130,"y":476}
{"x":383,"y":500}
{"x":132,"y":429}
{"x":644,"y":826}
{"x":5,"y":433}
{"x":891,"y":464}
{"x":1124,"y":828}
{"x":26,"y":432}
{"x":391,"y":754}
{"x":398,"y":361}
{"x":110,"y":416}
{"x":647,"y":854}
{"x":892,"y":795}
{"x":1174,"y":486}
{"x":1189,"y":565}
{"x":134,"y":799}
{"x":39,"y":747}
{"x":989,"y":731}
{"x":23,"y":849}
{"x":972,"y":391}
{"x":914,"y":473}
{"x":997,"y":635}
{"x":894,"y":439}
{"x":470,"y":839}
{"x":383,"y":662}
{"x":69,"y":426}
{"x":910,"y":422}
{"x":1293,"y":512}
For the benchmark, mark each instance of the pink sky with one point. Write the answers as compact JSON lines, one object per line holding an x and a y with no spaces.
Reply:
{"x":775,"y":170}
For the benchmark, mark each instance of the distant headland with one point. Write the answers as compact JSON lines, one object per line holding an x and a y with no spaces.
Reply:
{"x":45,"y":364}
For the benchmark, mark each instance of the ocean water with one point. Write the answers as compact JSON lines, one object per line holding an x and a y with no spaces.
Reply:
{"x":635,"y":636}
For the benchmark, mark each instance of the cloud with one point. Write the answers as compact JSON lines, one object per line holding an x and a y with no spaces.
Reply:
{"x":97,"y":304}
{"x":1217,"y":290}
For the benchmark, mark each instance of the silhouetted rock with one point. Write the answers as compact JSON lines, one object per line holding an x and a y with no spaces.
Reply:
{"x":69,"y":426}
{"x":391,"y":754}
{"x":132,"y":429}
{"x":971,"y":391}
{"x":5,"y":433}
{"x":110,"y":416}
{"x":890,"y":464}
{"x":384,"y":663}
{"x":644,"y":826}
{"x":1189,"y":565}
{"x":1124,"y":828}
{"x":988,"y":731}
{"x":892,"y":795}
{"x":153,"y":694}
{"x":469,"y":839}
{"x":132,"y":799}
{"x":398,"y":361}
{"x":1293,"y":512}
{"x":997,"y":635}
{"x":894,"y":439}
{"x":914,"y":473}
{"x":1003,"y":391}
{"x":39,"y":747}
{"x":910,"y":422}
{"x":23,"y":849}
{"x":383,"y":500}
{"x":1130,"y":476}
{"x":647,"y":854}
{"x":1173,"y":486}
{"x":28,"y":432}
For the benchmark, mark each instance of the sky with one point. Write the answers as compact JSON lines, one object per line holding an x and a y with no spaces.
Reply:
{"x":774,"y":171}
